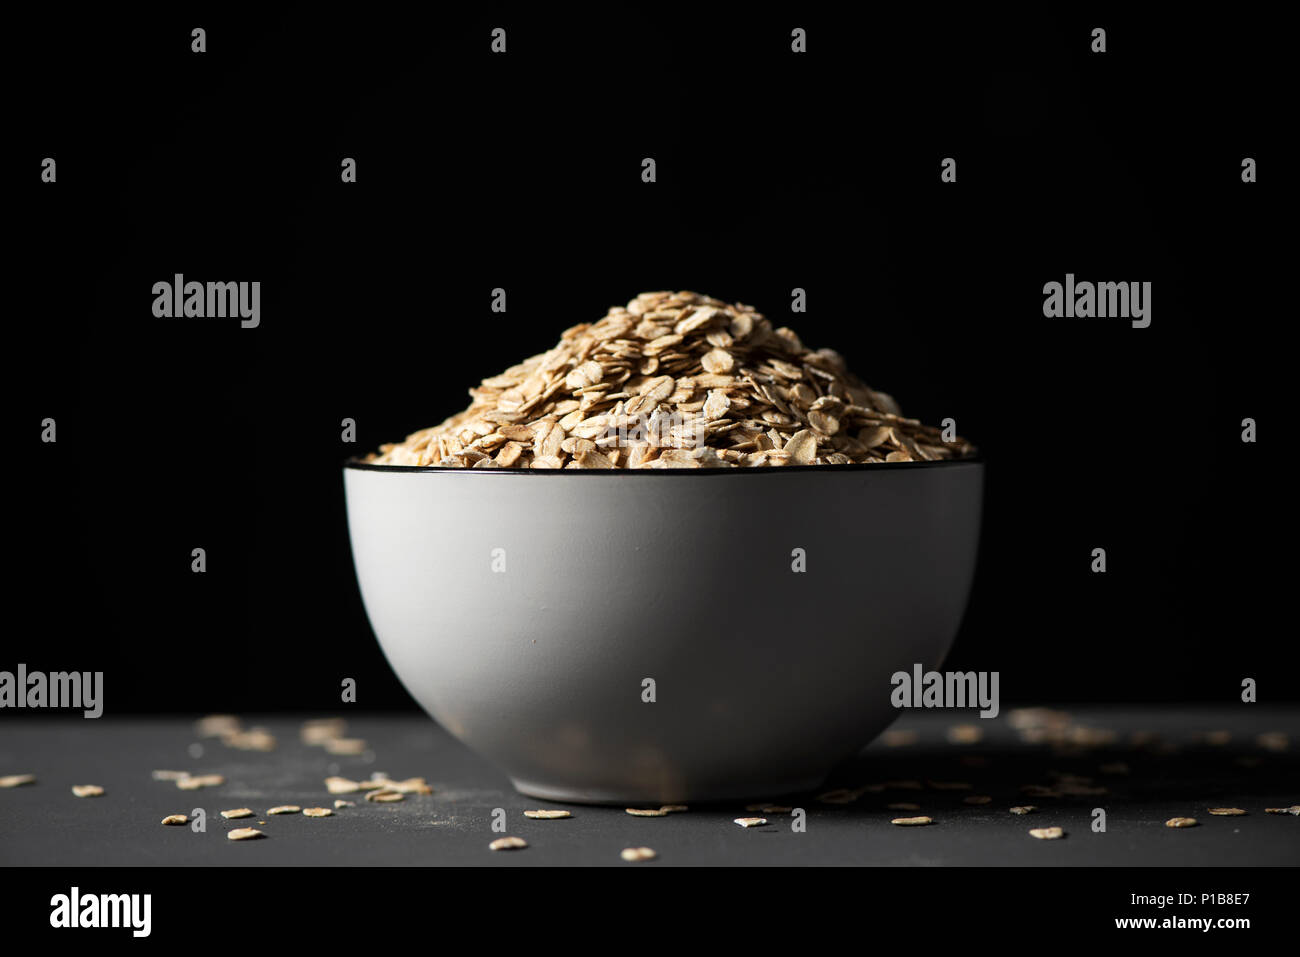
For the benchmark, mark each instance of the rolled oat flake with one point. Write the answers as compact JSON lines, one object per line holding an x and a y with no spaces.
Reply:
{"x":194,"y":782}
{"x":965,"y":734}
{"x":1046,"y":833}
{"x":507,"y":844}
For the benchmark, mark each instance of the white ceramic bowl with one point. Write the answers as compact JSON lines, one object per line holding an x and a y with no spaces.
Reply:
{"x":525,"y":611}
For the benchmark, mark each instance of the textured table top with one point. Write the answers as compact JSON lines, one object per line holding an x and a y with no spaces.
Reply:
{"x":1154,"y":765}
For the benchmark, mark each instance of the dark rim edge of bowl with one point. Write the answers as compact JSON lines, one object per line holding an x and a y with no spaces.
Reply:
{"x":977,"y":459}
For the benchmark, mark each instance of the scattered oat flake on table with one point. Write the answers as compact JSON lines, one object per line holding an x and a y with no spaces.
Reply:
{"x":172,"y":820}
{"x":317,"y":812}
{"x":507,"y":844}
{"x":1023,"y":809}
{"x":544,"y":815}
{"x":237,"y":813}
{"x":215,"y":725}
{"x":965,"y":733}
{"x":244,"y":834}
{"x":169,"y":775}
{"x":194,"y":782}
{"x":87,"y":790}
{"x":674,"y":808}
{"x":912,"y":821}
{"x":285,"y":809}
{"x":345,"y":746}
{"x":409,"y":786}
{"x":1273,"y":741}
{"x":977,"y":799}
{"x":385,"y":796}
{"x":899,"y":739}
{"x":1046,"y":833}
{"x":15,"y":780}
{"x":646,"y":811}
{"x":1226,"y":811}
{"x":751,"y":821}
{"x":320,"y":730}
{"x":1218,"y":738}
{"x":339,"y":802}
{"x":1181,"y":822}
{"x":1022,"y":718}
{"x":337,"y":785}
{"x":254,"y":739}
{"x":637,"y":854}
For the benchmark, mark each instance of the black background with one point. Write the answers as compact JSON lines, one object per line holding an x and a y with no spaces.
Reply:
{"x":522,"y":171}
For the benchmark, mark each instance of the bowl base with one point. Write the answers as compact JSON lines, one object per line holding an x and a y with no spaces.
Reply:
{"x":766,"y":790}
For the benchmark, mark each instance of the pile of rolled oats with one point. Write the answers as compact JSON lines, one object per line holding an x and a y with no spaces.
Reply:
{"x":675,"y":380}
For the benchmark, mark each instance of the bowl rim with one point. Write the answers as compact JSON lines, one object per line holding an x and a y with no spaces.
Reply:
{"x":971,"y":460}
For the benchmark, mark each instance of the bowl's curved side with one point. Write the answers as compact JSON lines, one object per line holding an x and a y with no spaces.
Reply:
{"x":534,"y":615}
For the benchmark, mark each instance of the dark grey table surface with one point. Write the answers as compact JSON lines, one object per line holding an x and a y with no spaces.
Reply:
{"x":1171,"y":770}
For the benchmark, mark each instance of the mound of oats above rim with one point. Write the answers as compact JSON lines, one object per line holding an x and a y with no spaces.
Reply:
{"x":675,"y":380}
